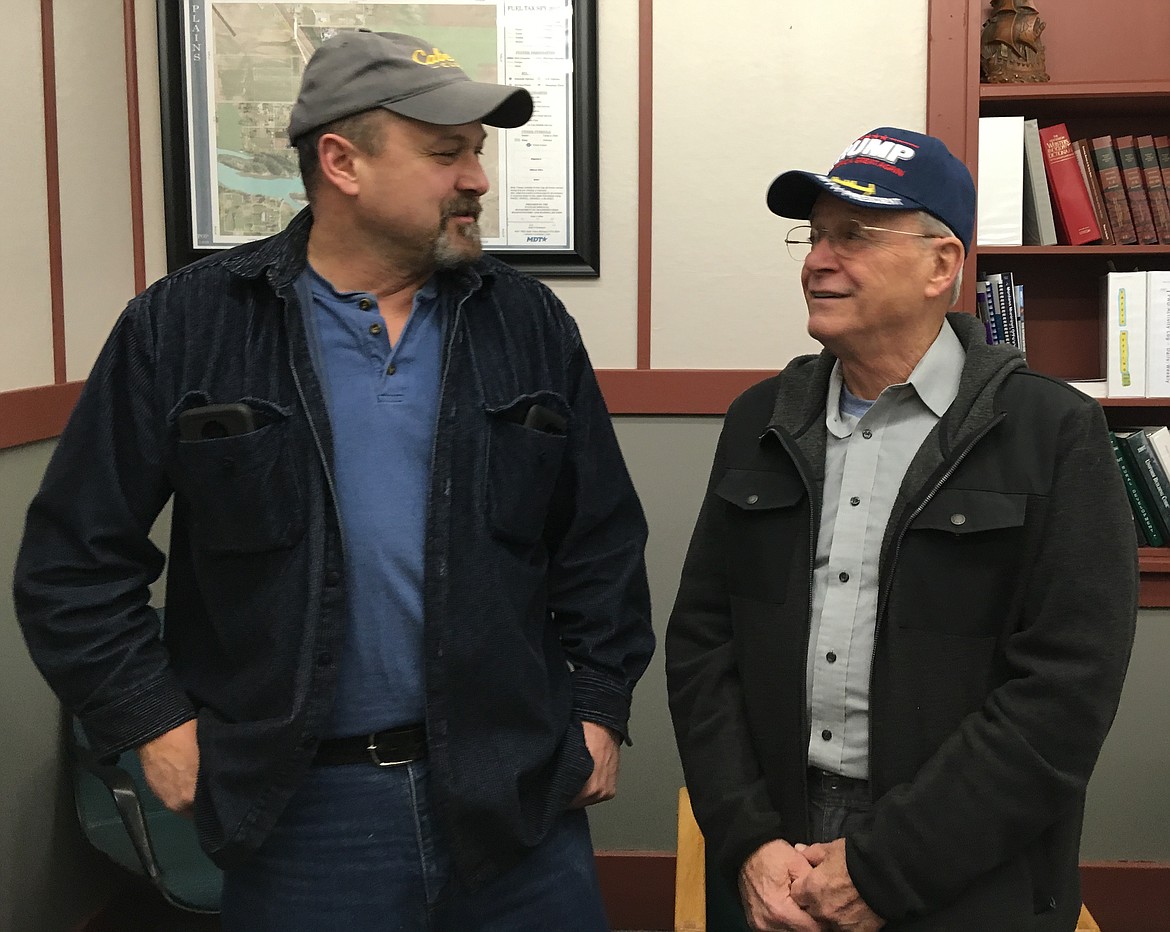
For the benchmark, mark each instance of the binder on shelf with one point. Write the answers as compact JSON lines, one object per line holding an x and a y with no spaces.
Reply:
{"x":999,"y":211}
{"x":1113,"y":190}
{"x":1158,"y":334}
{"x":1123,"y":337}
{"x":1039,"y":225}
{"x":1135,"y":191}
{"x":1155,"y":189}
{"x":1076,"y":224}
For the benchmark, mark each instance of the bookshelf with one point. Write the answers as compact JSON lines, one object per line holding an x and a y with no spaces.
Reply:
{"x":1110,"y":74}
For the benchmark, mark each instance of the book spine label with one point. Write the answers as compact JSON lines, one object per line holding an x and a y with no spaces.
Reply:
{"x":1162,"y":148}
{"x":1069,"y":194}
{"x":1113,"y":191}
{"x":1135,"y":190}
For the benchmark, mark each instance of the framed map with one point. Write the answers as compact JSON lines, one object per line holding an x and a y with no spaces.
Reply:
{"x":230,"y":71}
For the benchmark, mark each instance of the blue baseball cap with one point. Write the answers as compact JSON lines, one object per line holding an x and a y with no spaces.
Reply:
{"x":887,"y":169}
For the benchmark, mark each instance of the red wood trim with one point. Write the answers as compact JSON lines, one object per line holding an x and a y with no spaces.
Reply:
{"x":1128,"y":896}
{"x":637,"y":888}
{"x":29,"y":414}
{"x":137,"y":224}
{"x":675,"y":391}
{"x":645,"y":175}
{"x":52,"y":192}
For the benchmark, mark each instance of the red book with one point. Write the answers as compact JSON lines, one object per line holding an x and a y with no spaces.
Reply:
{"x":1113,"y":190}
{"x":1074,"y":211}
{"x":1159,"y":205}
{"x":1135,"y":190}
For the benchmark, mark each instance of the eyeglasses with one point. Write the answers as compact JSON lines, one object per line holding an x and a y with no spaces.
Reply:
{"x":847,"y":240}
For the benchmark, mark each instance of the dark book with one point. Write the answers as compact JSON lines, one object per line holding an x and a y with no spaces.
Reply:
{"x":1074,"y":211}
{"x":1096,"y":197}
{"x":1135,"y":191}
{"x":1162,"y":147}
{"x":1148,"y":471}
{"x":1143,"y":519}
{"x":1113,"y":190}
{"x":1155,"y":189}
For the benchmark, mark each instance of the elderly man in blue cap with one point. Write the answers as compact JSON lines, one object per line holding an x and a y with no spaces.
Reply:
{"x":909,"y":601}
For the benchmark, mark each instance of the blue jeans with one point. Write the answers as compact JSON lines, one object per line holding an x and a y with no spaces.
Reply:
{"x":836,"y":804}
{"x":359,"y":849}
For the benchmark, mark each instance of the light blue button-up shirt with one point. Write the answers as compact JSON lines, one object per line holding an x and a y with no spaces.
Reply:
{"x":866,"y":458}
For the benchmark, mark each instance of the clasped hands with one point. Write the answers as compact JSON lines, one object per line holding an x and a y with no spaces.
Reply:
{"x":803,"y":889}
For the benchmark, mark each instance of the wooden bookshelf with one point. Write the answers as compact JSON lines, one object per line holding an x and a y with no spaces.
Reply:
{"x":1110,"y":75}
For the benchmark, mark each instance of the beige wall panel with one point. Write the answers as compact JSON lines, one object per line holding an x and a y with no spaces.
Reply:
{"x":606,"y":308}
{"x":97,"y":248}
{"x":26,"y":348}
{"x":788,"y":85}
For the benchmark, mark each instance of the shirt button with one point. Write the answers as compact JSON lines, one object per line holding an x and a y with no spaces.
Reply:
{"x":867,"y":433}
{"x":831,"y":657}
{"x":826,"y":735}
{"x":391,"y":369}
{"x":365,"y":304}
{"x":844,"y":577}
{"x":752,"y":499}
{"x":375,"y":329}
{"x":855,"y":501}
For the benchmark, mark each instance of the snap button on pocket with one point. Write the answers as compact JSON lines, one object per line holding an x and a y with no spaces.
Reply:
{"x":752,"y":499}
{"x":958,"y":520}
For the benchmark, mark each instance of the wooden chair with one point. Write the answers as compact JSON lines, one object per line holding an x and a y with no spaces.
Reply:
{"x":690,"y":880}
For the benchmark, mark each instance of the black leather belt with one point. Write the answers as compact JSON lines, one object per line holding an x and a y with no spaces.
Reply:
{"x":388,"y":748}
{"x":827,"y":781}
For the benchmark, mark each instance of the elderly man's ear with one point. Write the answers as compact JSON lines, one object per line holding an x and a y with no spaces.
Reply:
{"x":948,"y":260}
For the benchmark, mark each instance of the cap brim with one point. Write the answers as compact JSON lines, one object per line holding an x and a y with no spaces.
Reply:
{"x":794,"y":193}
{"x":468,"y":102}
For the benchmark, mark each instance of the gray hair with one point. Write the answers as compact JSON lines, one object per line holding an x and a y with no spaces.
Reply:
{"x":935,"y":227}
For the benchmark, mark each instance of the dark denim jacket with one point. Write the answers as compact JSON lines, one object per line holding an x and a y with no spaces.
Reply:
{"x":537,"y":607}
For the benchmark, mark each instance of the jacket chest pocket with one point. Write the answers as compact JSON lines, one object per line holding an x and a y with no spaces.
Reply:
{"x":960,"y":562}
{"x":243,"y":490}
{"x":526,"y":447}
{"x":765,"y":522}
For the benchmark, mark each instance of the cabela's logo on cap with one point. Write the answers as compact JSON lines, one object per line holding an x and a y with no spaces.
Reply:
{"x":882,"y":148}
{"x":434,"y":58}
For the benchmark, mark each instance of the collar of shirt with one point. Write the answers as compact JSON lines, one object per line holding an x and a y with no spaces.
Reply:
{"x":935,"y":380}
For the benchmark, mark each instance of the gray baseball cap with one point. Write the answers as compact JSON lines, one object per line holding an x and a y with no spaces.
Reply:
{"x":358,"y":70}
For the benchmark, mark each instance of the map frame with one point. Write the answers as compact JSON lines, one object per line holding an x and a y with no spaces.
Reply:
{"x":180,"y":190}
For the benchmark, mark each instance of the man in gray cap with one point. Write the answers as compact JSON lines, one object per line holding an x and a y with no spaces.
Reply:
{"x":407,"y":601}
{"x":909,"y":600}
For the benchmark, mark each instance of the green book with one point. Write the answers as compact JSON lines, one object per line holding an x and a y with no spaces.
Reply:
{"x":1141,"y":508}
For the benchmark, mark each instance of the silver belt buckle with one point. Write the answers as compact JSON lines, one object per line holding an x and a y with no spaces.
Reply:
{"x":372,"y":747}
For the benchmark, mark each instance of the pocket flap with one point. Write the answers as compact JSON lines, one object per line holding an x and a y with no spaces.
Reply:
{"x":968,"y":511}
{"x":753,"y":490}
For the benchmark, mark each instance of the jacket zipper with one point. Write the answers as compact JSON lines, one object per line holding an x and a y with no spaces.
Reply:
{"x":885,"y":595}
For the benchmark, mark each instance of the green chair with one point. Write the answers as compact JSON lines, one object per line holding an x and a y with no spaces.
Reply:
{"x":123,"y":819}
